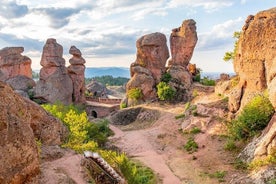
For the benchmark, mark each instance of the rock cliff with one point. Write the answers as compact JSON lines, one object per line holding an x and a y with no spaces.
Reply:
{"x":76,"y":73}
{"x":255,"y":64}
{"x":54,"y":82}
{"x":21,"y":123}
{"x":255,"y":59}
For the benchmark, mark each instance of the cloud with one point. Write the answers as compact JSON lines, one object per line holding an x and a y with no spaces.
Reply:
{"x":59,"y":17}
{"x":220,"y":36}
{"x":11,"y":10}
{"x":208,"y":5}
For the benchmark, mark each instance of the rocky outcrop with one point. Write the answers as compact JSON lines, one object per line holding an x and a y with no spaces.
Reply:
{"x":255,"y":59}
{"x":255,"y":63}
{"x":12,"y":63}
{"x":22,"y":85}
{"x":182,"y":41}
{"x":19,"y":158}
{"x":76,"y":73}
{"x":54,"y":82}
{"x":151,"y":58}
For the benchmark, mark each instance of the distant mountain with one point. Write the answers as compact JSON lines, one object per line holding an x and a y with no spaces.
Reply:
{"x":101,"y":71}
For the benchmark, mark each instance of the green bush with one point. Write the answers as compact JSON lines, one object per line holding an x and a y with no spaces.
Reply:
{"x":197,"y":78}
{"x":207,"y":82}
{"x":166,"y":77}
{"x":135,"y":93}
{"x":253,"y":118}
{"x":123,"y":105}
{"x":84,"y":135}
{"x":165,"y":92}
{"x":191,"y":146}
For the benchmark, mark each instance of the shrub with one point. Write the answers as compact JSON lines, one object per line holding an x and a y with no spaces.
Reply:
{"x":165,"y":92}
{"x":166,"y":77}
{"x":197,"y":78}
{"x":135,"y":93}
{"x":230,"y":145}
{"x":191,"y":146}
{"x":84,"y":135}
{"x":123,"y":105}
{"x":207,"y":82}
{"x":253,"y":118}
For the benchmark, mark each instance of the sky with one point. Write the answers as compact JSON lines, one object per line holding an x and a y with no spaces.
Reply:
{"x":106,"y":30}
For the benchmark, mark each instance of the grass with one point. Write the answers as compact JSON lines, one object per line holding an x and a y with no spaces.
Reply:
{"x":179,"y":116}
{"x":207,"y":82}
{"x":191,"y":146}
{"x":220,"y":175}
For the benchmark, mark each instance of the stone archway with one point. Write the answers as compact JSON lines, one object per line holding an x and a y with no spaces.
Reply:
{"x":94,"y":114}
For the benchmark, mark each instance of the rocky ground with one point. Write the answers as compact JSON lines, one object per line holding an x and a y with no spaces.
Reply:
{"x":159,"y":144}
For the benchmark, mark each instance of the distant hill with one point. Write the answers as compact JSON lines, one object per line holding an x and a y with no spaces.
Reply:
{"x":101,"y":71}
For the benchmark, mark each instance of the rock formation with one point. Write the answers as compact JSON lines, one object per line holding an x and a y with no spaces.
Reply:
{"x":21,"y":122}
{"x":54,"y":82}
{"x":255,"y":63}
{"x":150,"y":64}
{"x":182,"y":42}
{"x":255,"y":59}
{"x":19,"y":158}
{"x":76,"y":72}
{"x":12,"y":63}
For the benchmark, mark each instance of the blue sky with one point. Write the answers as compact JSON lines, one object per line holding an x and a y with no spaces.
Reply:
{"x":106,"y":30}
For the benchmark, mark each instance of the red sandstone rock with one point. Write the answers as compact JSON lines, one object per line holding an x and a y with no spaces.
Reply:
{"x":76,"y":73}
{"x":150,"y":64}
{"x":255,"y":56}
{"x":19,"y":158}
{"x":182,"y":42}
{"x":12,"y":63}
{"x":152,"y":53}
{"x":54,"y":83}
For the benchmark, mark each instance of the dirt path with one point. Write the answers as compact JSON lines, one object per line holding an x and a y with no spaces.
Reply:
{"x":160,"y":147}
{"x":136,"y":144}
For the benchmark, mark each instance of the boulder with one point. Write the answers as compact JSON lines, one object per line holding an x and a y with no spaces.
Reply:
{"x":19,"y":160}
{"x":150,"y":64}
{"x":182,"y":42}
{"x":255,"y":55}
{"x":54,"y":82}
{"x":12,"y":63}
{"x":152,"y":53}
{"x":76,"y":73}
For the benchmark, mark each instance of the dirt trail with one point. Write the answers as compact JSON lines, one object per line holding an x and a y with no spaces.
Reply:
{"x":135,"y":143}
{"x":160,"y":147}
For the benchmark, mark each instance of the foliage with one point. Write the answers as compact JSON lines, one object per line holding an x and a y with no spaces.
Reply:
{"x":84,"y":135}
{"x":135,"y":93}
{"x":35,"y":75}
{"x":230,"y":145}
{"x":197,"y":77}
{"x":253,"y":118}
{"x":239,"y":164}
{"x":268,"y":160}
{"x":179,"y":116}
{"x":165,"y":92}
{"x":123,"y":105}
{"x":195,"y":130}
{"x":108,"y":80}
{"x":191,"y":146}
{"x":166,"y":77}
{"x":207,"y":82}
{"x":231,"y":55}
{"x":133,"y":172}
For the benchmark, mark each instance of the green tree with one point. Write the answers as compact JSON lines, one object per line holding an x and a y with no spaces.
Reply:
{"x":231,"y":54}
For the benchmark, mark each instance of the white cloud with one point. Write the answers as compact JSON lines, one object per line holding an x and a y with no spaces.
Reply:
{"x":220,"y":35}
{"x":208,"y":5}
